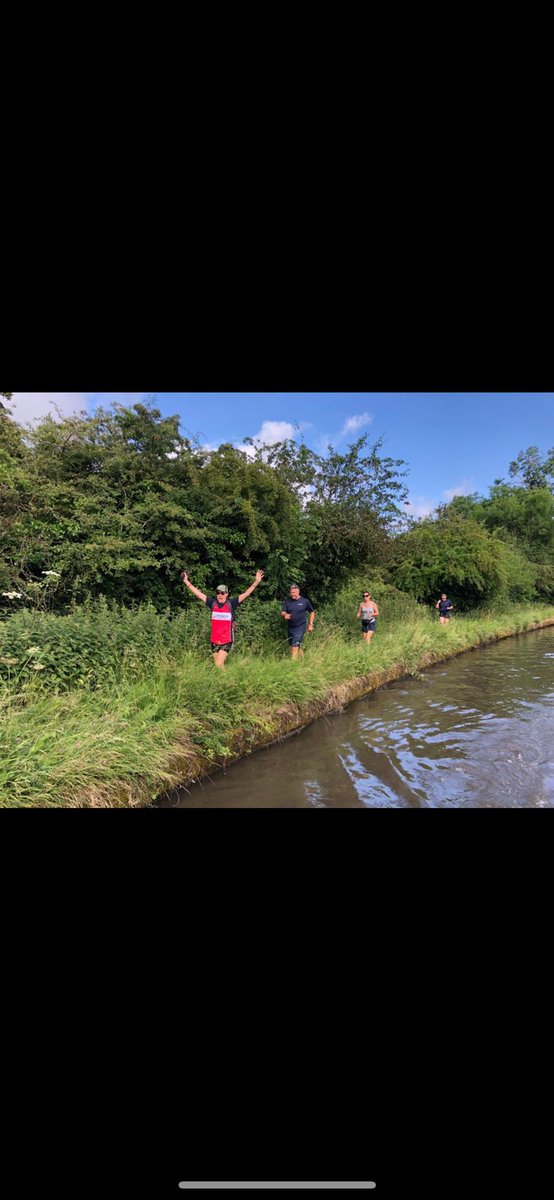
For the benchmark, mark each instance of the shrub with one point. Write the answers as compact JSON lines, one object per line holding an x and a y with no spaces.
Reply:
{"x":394,"y":605}
{"x":459,"y":556}
{"x":544,"y":581}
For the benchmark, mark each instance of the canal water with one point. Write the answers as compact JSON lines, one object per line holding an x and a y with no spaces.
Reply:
{"x":476,"y":732}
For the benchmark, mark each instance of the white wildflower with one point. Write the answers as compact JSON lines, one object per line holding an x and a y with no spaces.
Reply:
{"x":54,"y":573}
{"x":13,"y":595}
{"x":33,"y":650}
{"x":39,"y":667}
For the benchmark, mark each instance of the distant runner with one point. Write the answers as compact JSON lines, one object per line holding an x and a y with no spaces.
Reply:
{"x":294,"y":611}
{"x":223,"y":608}
{"x":369,"y":612}
{"x":445,"y":607}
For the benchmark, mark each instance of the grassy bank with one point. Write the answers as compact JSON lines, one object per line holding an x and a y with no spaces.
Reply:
{"x":175,"y":718}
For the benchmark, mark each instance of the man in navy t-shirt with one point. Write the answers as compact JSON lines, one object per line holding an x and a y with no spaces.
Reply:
{"x":295,"y":611}
{"x":444,"y":606}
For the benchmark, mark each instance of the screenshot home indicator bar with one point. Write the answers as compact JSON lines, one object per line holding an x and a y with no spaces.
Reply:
{"x":277,"y":1185}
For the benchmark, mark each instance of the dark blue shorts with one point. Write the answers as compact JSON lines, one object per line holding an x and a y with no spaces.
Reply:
{"x":226,"y":646}
{"x":296,"y":636}
{"x":369,"y":626}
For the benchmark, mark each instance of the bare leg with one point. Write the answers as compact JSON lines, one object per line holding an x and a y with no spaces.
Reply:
{"x":219,"y":658}
{"x":294,"y":651}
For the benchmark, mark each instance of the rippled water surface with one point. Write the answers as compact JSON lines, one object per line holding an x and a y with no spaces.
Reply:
{"x":477,"y":731}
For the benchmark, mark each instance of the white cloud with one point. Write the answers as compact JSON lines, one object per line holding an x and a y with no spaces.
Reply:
{"x":465,"y":488}
{"x":352,"y":424}
{"x":30,"y":406}
{"x":423,"y":506}
{"x":420,"y":506}
{"x":269,"y":433}
{"x":274,"y":431}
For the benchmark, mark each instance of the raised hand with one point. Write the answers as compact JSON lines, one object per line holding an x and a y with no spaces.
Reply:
{"x":259,"y":576}
{"x":184,"y":577}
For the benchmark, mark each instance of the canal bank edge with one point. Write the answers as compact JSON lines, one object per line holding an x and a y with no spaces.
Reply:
{"x":291,"y":719}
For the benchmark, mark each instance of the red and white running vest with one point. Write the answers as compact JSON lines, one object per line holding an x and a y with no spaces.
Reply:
{"x":222,"y":623}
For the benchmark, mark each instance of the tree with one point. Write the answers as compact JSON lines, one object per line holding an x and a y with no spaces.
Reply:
{"x":14,"y":488}
{"x":109,"y":506}
{"x":295,"y":464}
{"x":118,"y":502}
{"x":255,"y":517}
{"x":524,"y":515}
{"x":464,"y":506}
{"x":347,"y":505}
{"x":351,"y":513}
{"x":531,"y":471}
{"x":458,"y":555}
{"x":520,"y":515}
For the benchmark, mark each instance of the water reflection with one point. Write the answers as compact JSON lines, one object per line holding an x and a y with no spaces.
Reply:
{"x":476,"y":732}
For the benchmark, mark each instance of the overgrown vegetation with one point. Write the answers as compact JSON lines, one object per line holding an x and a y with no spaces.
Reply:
{"x":104,"y":656}
{"x":120,"y":502}
{"x":117,"y":503}
{"x":136,"y":735}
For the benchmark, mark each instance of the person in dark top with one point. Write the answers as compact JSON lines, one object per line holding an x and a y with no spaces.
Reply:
{"x":295,"y":611}
{"x":223,"y":608}
{"x":445,"y":607}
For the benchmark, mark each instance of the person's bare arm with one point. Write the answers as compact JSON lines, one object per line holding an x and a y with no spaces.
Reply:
{"x":248,"y":592}
{"x":195,"y":591}
{"x":358,"y":614}
{"x":311,"y":622}
{"x":375,"y":609}
{"x":286,"y":615}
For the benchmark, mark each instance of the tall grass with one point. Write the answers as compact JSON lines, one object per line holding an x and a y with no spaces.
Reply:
{"x":121,"y":741}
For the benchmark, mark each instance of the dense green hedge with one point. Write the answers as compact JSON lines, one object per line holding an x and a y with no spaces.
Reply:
{"x":101,"y":641}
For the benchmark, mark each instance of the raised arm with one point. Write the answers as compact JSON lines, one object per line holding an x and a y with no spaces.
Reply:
{"x":248,"y":592}
{"x":191,"y":587}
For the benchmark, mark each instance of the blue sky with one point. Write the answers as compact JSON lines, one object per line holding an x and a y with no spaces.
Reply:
{"x":453,"y":442}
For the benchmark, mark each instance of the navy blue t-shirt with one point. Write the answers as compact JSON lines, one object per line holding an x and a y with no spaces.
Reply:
{"x":444,"y":607}
{"x":297,"y":609}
